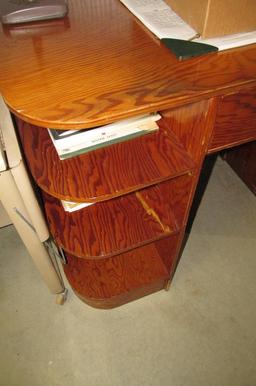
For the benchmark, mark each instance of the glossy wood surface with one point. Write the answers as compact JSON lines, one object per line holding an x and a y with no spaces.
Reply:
{"x":169,"y":199}
{"x":106,"y":172}
{"x":99,"y":65}
{"x":112,"y":227}
{"x":235,"y":120}
{"x":110,"y":282}
{"x":192,"y":124}
{"x":96,"y":66}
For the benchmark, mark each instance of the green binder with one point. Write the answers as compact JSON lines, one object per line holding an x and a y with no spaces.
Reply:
{"x":184,"y":49}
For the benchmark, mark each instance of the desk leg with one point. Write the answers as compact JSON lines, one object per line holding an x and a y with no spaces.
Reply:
{"x":14,"y":206}
{"x":242,"y":159}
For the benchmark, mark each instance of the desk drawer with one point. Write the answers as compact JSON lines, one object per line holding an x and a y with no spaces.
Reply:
{"x":235,"y":120}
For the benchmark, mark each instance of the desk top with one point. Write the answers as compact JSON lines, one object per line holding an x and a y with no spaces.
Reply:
{"x":99,"y":64}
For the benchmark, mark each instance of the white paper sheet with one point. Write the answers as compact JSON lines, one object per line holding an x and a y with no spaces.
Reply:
{"x":230,"y":41}
{"x":159,"y":18}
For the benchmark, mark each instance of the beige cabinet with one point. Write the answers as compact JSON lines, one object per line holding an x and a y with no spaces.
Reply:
{"x":4,"y":218}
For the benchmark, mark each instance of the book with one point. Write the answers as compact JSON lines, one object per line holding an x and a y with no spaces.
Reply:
{"x":70,"y":143}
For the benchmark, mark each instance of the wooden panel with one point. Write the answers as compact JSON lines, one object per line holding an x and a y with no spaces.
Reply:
{"x":170,"y":199}
{"x":125,"y":297}
{"x":193,"y":125}
{"x":113,"y":226}
{"x":116,"y":280}
{"x":168,"y":249}
{"x":243,"y":160}
{"x":106,"y":172}
{"x":235,"y":121}
{"x":99,"y":65}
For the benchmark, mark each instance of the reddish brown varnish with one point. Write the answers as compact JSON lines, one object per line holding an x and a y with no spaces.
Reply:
{"x":77,"y":74}
{"x":98,"y":65}
{"x":235,"y":120}
{"x":114,"y":226}
{"x":110,"y":282}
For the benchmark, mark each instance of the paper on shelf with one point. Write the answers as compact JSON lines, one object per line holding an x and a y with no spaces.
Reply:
{"x":71,"y":138}
{"x":82,"y":141}
{"x":70,"y":206}
{"x":160,"y":19}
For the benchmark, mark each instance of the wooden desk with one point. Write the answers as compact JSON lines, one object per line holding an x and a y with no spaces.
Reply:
{"x":243,"y":162}
{"x":100,"y":65}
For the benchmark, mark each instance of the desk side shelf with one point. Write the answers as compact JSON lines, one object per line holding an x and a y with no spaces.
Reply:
{"x":126,"y":244}
{"x":107,"y":172}
{"x":111,"y":282}
{"x":115,"y":226}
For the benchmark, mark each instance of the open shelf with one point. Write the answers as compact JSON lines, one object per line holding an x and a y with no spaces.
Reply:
{"x":107,"y":172}
{"x":110,"y":282}
{"x":112,"y":227}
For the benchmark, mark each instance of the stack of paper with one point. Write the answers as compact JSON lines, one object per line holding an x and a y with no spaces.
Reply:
{"x":160,"y":19}
{"x":230,"y":41}
{"x":71,"y":143}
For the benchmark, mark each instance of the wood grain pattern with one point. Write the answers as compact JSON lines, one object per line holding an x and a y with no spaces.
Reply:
{"x":168,"y":249}
{"x":96,"y":66}
{"x":170,"y":200}
{"x":193,"y":125}
{"x":110,"y":282}
{"x":112,"y":227}
{"x":99,"y":65}
{"x":242,"y":159}
{"x":106,"y":172}
{"x":235,"y":120}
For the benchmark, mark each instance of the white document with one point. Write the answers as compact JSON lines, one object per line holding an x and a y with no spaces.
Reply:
{"x":230,"y":41}
{"x":160,"y":19}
